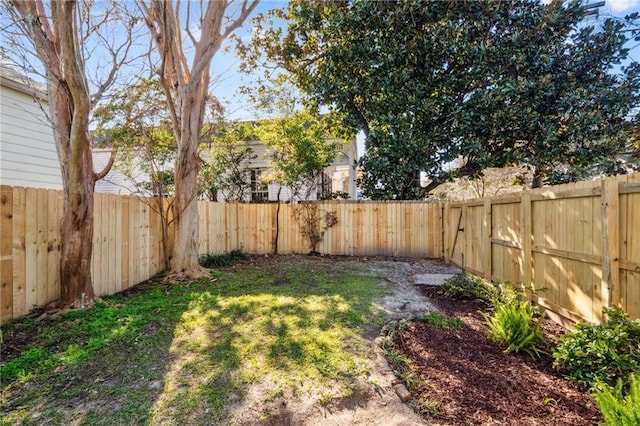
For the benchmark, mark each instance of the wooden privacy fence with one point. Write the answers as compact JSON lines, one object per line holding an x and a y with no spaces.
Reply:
{"x":412,"y":229}
{"x":578,"y":244}
{"x":127,"y":246}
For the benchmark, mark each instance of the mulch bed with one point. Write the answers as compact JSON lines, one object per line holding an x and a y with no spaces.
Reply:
{"x":473,"y":382}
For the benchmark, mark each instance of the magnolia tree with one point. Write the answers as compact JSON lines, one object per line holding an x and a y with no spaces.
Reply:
{"x":187,"y":36}
{"x":486,"y":83}
{"x":57,"y":39}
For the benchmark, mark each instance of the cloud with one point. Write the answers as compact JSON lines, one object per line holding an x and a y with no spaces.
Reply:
{"x":623,"y":5}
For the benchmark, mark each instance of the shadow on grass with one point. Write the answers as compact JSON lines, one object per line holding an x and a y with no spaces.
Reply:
{"x":185,"y":353}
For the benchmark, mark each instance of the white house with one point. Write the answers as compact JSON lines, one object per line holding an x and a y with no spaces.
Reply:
{"x":28,"y":155}
{"x":339,"y":176}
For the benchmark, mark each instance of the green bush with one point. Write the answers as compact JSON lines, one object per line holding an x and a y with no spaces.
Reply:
{"x":513,"y":327}
{"x":471,"y":287}
{"x":221,"y":260}
{"x":618,"y":408}
{"x":605,"y":352}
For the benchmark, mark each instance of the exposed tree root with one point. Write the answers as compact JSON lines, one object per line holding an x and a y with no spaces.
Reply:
{"x":190,"y":274}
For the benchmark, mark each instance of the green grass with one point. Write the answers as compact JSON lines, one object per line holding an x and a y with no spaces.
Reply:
{"x":181,"y":353}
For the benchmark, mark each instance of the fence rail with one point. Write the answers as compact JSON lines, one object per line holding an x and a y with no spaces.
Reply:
{"x":580,"y":242}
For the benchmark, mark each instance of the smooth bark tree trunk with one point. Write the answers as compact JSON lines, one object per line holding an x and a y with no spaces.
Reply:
{"x":70,"y":106}
{"x":76,"y":249}
{"x":186,"y":89}
{"x":184,"y":263}
{"x":57,"y":40}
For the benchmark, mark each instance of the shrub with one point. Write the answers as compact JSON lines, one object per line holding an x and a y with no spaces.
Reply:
{"x":618,"y":408}
{"x":470,"y":287}
{"x":221,"y":260}
{"x":512,"y":326}
{"x":605,"y":352}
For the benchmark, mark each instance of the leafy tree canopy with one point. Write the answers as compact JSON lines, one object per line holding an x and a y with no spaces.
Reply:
{"x":490,"y":83}
{"x":228,"y":171}
{"x":300,"y":147}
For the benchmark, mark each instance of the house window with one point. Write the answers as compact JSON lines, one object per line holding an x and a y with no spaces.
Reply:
{"x":259,"y":189}
{"x":324,"y":188}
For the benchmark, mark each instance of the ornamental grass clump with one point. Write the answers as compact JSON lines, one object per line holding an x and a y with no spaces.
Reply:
{"x":470,"y":287}
{"x":513,"y":327}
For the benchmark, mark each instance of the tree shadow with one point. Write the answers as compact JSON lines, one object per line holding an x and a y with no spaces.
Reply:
{"x":190,"y":353}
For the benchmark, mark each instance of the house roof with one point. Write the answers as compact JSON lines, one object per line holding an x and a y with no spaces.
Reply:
{"x":12,"y":78}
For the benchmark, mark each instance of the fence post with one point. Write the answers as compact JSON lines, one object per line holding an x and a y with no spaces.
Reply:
{"x":526,"y":235}
{"x":446,"y":233}
{"x":6,"y":252}
{"x":610,"y":243}
{"x":487,"y":231}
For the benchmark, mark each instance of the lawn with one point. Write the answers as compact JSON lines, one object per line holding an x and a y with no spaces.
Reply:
{"x":193,"y":353}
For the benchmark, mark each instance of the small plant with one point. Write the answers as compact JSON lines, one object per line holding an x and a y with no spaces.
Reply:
{"x":312,"y":224}
{"x":429,"y":406}
{"x":512,"y":326}
{"x":440,"y":321}
{"x":618,"y":408}
{"x":471,"y":287}
{"x":605,"y":352}
{"x":402,"y":365}
{"x":221,"y":260}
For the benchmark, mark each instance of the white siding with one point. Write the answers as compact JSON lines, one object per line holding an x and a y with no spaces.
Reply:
{"x":28,"y":154}
{"x":115,"y":182}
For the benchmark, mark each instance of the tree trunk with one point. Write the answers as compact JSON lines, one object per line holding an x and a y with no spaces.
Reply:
{"x":185,"y":261}
{"x":186,"y":91}
{"x":71,"y":119}
{"x":76,"y":249}
{"x":537,"y":178}
{"x":70,"y":106}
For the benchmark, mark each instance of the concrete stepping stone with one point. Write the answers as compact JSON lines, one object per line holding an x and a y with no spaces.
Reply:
{"x":431,"y":279}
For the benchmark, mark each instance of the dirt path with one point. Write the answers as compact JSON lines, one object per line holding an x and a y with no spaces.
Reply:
{"x":374,"y":400}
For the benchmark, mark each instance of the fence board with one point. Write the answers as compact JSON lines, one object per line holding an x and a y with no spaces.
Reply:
{"x":31,"y":261}
{"x":6,"y":253}
{"x":42,"y":203}
{"x":126,"y":229}
{"x":53,"y":246}
{"x":19,"y":253}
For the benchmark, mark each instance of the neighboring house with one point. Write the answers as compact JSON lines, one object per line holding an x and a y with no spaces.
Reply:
{"x":339,"y":176}
{"x":28,"y":155}
{"x":115,"y":182}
